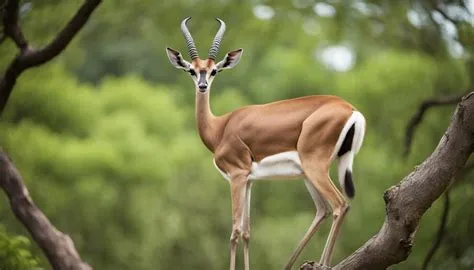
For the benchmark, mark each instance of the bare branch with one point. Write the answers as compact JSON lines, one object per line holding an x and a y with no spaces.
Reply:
{"x":30,"y":58}
{"x":58,"y":247}
{"x":11,"y":25}
{"x":418,"y":116}
{"x":441,"y":231}
{"x":63,"y":39}
{"x":411,"y":198}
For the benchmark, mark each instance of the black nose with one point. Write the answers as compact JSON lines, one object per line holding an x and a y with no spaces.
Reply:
{"x":202,"y":86}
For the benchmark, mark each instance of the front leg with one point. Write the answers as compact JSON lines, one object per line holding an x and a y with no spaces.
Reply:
{"x":238,"y":186}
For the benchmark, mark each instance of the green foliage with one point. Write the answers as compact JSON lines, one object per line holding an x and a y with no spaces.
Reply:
{"x":105,"y":136}
{"x":15,"y":252}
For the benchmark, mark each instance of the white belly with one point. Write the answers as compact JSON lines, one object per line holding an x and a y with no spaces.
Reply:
{"x":285,"y":165}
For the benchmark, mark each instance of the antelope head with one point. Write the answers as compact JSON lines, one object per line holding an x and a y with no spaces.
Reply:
{"x":203,"y":71}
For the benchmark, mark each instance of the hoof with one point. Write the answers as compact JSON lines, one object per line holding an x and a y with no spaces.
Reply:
{"x":311,"y":265}
{"x":307,"y":265}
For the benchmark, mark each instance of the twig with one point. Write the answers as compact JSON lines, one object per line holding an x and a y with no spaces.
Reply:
{"x":441,"y":231}
{"x":418,"y":116}
{"x":444,"y":217}
{"x":58,"y":247}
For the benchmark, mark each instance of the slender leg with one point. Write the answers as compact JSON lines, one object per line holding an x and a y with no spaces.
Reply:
{"x":315,"y":149}
{"x":237,"y":189}
{"x":318,"y":175}
{"x":322,"y":211}
{"x":333,"y":233}
{"x":246,"y":225}
{"x":339,"y":208}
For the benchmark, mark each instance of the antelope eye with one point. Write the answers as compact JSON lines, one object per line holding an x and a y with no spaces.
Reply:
{"x":213,"y":72}
{"x":192,"y":72}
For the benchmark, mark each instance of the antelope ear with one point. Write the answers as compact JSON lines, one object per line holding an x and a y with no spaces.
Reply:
{"x":176,"y":59}
{"x":231,"y":60}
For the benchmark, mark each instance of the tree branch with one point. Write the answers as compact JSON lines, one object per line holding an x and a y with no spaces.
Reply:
{"x":441,"y":231}
{"x":11,"y":25}
{"x":418,"y":116}
{"x":411,"y":198}
{"x":58,"y":247}
{"x":30,"y":57}
{"x":59,"y":43}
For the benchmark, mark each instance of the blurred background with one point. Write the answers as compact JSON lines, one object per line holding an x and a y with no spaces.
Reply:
{"x":105,"y":137}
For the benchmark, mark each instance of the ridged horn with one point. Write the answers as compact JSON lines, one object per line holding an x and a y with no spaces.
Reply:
{"x":217,"y":40}
{"x":193,"y":53}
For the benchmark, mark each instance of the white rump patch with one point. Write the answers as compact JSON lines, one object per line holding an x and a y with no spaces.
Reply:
{"x":346,"y":160}
{"x":284,"y":166}
{"x":358,"y":119}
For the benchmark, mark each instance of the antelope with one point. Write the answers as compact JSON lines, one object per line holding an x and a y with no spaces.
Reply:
{"x":287,"y":139}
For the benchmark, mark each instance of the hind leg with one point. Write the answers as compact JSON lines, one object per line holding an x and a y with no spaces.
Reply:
{"x":316,"y":147}
{"x":318,"y":175}
{"x":322,"y":211}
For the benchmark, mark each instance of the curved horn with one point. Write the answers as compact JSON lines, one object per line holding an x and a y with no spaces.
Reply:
{"x":217,"y":40}
{"x":189,"y":39}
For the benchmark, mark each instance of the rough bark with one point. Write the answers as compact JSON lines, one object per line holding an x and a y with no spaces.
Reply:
{"x":407,"y":201}
{"x":58,"y":247}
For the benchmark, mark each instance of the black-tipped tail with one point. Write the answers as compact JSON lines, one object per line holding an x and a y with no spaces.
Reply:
{"x":349,"y":185}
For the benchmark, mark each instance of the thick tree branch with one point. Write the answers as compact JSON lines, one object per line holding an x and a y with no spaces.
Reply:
{"x":410,"y":199}
{"x":58,"y":247}
{"x":30,"y":57}
{"x":418,"y":116}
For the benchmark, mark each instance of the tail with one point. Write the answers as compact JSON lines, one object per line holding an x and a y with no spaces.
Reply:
{"x":347,"y":146}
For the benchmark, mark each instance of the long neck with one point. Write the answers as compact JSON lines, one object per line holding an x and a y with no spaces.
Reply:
{"x":209,"y":126}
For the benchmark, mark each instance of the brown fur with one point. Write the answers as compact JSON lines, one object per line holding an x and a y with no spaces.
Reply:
{"x":202,"y":64}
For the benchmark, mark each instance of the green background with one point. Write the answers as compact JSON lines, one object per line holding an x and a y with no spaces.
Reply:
{"x":105,"y":136}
